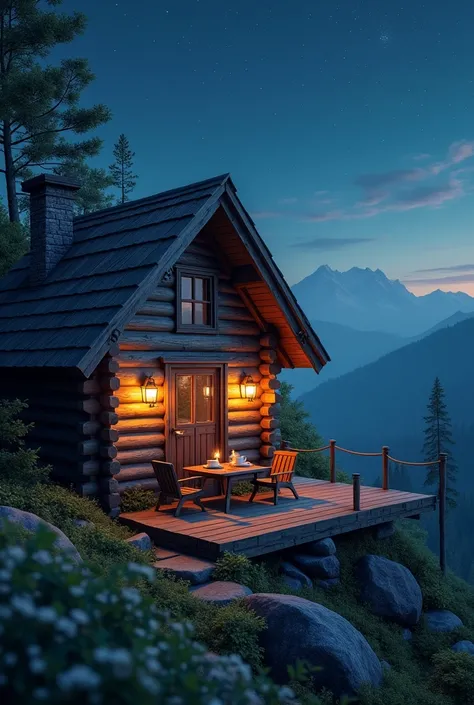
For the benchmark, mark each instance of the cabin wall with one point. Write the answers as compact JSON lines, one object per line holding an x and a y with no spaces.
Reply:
{"x":252,"y":426}
{"x":65,"y":410}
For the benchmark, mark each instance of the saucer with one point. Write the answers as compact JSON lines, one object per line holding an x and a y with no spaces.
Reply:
{"x":243,"y":465}
{"x":219,"y":467}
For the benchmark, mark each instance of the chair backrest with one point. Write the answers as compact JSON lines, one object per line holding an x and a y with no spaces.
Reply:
{"x":284,"y":461}
{"x":166,"y":477}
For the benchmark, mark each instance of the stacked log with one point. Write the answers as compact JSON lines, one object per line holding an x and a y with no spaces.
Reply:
{"x":109,"y":465}
{"x":270,"y":410}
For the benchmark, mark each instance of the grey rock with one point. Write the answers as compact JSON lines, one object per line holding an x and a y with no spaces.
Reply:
{"x":301,"y":630}
{"x":384,"y":531}
{"x":292,"y":583}
{"x":220,"y":592}
{"x":385,"y":665}
{"x":141,"y":541}
{"x":83,"y":523}
{"x":466,"y":647}
{"x":442,"y":621}
{"x":329,"y":583}
{"x":293,"y":572}
{"x":194,"y":570}
{"x":390,"y":589}
{"x":32,"y":523}
{"x":318,"y":567}
{"x":407,"y":635}
{"x":323,"y":547}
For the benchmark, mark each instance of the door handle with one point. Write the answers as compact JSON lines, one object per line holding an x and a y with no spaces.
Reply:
{"x":177,"y":432}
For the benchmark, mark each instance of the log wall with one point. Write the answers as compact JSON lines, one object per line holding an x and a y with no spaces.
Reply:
{"x":252,"y":426}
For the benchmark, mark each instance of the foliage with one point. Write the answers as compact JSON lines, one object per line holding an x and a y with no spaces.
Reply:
{"x":297,"y":429}
{"x":17,"y":462}
{"x":14,"y":241}
{"x":137,"y":499}
{"x":40,"y":103}
{"x":121,"y":170}
{"x":92,"y":195}
{"x":438,"y":439}
{"x":70,"y":635}
{"x":240,"y":569}
{"x":454,"y":675}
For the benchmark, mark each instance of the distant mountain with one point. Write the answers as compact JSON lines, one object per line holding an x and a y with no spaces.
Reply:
{"x":447,"y":322}
{"x":384,"y":402}
{"x":349,"y":348}
{"x":367,"y":300}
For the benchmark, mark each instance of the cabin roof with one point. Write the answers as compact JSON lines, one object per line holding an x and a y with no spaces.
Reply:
{"x":118,"y":256}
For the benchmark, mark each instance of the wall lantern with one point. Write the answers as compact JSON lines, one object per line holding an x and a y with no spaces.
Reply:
{"x":248,"y":388}
{"x":149,"y":391}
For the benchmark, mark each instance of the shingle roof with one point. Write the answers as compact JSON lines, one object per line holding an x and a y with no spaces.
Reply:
{"x":117,"y":254}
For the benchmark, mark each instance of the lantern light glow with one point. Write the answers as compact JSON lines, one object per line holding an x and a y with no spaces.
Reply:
{"x":149,"y":391}
{"x":248,"y":388}
{"x":207,"y":391}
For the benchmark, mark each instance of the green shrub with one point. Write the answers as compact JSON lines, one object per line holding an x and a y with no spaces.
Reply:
{"x":454,"y":675}
{"x":137,"y":499}
{"x":71,"y":636}
{"x":18,"y":463}
{"x":240,"y":569}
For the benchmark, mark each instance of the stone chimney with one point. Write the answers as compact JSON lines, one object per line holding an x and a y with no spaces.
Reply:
{"x":51,"y":222}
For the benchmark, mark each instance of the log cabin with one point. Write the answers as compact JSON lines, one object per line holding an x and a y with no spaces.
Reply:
{"x":155,"y":329}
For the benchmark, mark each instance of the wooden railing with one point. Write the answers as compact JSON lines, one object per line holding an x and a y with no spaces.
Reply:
{"x":386,"y":458}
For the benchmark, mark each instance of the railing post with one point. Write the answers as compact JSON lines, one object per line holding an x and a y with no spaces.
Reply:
{"x":385,"y":482}
{"x":332,"y":460}
{"x":284,"y":445}
{"x":356,"y":491}
{"x":442,"y":511}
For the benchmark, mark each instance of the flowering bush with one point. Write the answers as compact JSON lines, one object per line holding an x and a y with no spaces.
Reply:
{"x":69,"y":635}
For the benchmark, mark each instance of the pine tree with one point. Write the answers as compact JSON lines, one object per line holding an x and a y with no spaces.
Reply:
{"x":122,"y":168}
{"x":438,"y":439}
{"x":92,"y":195}
{"x":39,"y":103}
{"x":14,"y":242}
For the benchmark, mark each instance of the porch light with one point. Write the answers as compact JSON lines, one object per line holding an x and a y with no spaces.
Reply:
{"x":248,"y":388}
{"x":149,"y":391}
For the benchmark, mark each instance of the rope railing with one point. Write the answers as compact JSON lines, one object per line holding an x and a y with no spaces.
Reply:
{"x":386,"y":459}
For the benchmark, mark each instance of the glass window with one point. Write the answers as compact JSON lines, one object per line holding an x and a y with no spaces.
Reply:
{"x":196,"y":301}
{"x":184,"y":392}
{"x":186,"y":288}
{"x":186,"y":313}
{"x":204,"y":395}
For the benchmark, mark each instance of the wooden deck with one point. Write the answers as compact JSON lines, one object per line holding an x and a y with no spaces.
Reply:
{"x":324,"y":509}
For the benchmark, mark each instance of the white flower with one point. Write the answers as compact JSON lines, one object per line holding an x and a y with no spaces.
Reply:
{"x":47,"y":614}
{"x":149,"y":683}
{"x":33,"y":650}
{"x":79,"y":616}
{"x":102,"y":597}
{"x":43,"y":557}
{"x":37,"y":665}
{"x":117,"y":657}
{"x":80,"y":677}
{"x":140,"y":632}
{"x":147,"y":571}
{"x":10,"y":659}
{"x":17,"y":553}
{"x":76,"y":590}
{"x":132,"y":595}
{"x":23,"y":604}
{"x":67,"y":626}
{"x":5,"y":575}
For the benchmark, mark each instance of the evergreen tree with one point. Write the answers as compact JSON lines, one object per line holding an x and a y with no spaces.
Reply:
{"x":92,"y":195}
{"x":400,"y":478}
{"x":438,"y":439}
{"x":122,"y":168}
{"x":13,"y":241}
{"x":39,"y":103}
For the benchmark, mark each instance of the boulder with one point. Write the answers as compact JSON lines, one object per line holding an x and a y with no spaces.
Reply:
{"x":323,"y":547}
{"x":292,"y":583}
{"x":407,"y":635}
{"x":466,"y":647}
{"x":194,"y":570}
{"x":141,"y":541}
{"x":390,"y":589}
{"x":83,"y":523}
{"x":31,"y":522}
{"x":327,"y":584}
{"x":220,"y":592}
{"x":318,"y":567}
{"x":442,"y":621}
{"x":293,"y":572}
{"x":300,"y":630}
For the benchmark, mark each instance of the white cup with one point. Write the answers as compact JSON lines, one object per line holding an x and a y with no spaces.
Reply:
{"x":241,"y":460}
{"x":213,"y":463}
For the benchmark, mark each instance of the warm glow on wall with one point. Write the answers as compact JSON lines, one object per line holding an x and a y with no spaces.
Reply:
{"x":149,"y":391}
{"x":248,"y":388}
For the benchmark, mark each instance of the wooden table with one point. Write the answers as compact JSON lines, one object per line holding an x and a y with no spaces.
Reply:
{"x":229,"y":473}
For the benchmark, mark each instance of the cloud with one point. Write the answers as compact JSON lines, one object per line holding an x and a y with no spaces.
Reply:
{"x":453,"y":268}
{"x":328,"y":243}
{"x":322,"y":217}
{"x":443,"y":281}
{"x":421,"y":157}
{"x":388,"y":178}
{"x":288,"y":201}
{"x":264,"y":215}
{"x":428,"y":196}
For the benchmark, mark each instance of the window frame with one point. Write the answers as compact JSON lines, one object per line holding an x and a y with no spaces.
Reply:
{"x":197,"y":273}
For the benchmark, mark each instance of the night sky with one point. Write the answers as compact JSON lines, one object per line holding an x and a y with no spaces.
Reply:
{"x":348,"y":127}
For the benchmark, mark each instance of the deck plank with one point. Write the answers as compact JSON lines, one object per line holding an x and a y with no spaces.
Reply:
{"x":324,"y":509}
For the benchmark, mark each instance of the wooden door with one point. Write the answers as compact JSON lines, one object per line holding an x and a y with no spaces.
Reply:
{"x":195,"y":416}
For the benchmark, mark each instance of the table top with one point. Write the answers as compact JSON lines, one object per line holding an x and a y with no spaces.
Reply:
{"x":227,"y":470}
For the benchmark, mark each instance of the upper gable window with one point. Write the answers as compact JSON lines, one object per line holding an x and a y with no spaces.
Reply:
{"x":196,"y":300}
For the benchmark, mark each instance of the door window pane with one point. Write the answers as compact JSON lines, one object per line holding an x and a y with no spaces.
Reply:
{"x":186,"y":313}
{"x":183,"y":399}
{"x":204,"y":398}
{"x":186,"y":288}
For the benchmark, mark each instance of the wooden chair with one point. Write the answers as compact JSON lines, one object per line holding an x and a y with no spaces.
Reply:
{"x":281,"y":473}
{"x":172,"y":488}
